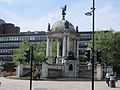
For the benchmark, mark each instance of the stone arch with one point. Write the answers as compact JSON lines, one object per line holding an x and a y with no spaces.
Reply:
{"x":70,"y":67}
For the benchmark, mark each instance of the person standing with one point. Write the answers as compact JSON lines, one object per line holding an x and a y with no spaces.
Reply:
{"x":112,"y":81}
{"x":107,"y":78}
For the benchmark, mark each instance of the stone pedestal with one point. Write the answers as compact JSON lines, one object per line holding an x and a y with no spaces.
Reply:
{"x":99,"y":72}
{"x":71,"y":68}
{"x":89,"y":66}
{"x":19,"y":70}
{"x":44,"y":72}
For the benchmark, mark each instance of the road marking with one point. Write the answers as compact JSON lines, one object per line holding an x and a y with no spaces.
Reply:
{"x":40,"y":89}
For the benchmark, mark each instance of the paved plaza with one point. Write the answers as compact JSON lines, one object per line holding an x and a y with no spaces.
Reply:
{"x":10,"y":84}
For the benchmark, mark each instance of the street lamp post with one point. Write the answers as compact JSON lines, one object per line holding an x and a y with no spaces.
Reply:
{"x":31,"y":65}
{"x":93,"y":30}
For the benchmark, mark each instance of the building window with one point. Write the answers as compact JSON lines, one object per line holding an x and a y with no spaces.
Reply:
{"x":32,"y":38}
{"x":36,"y":37}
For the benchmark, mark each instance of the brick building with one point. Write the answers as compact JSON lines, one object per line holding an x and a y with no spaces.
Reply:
{"x":8,"y":28}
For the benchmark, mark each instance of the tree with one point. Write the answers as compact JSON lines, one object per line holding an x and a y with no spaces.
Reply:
{"x":109,"y":45}
{"x":116,"y":48}
{"x":104,"y":42}
{"x":116,"y":51}
{"x":19,"y":54}
{"x":39,"y":53}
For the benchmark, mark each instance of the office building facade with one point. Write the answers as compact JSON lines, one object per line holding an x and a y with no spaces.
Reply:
{"x":10,"y":42}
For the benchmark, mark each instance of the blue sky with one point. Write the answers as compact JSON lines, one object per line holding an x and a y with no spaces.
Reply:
{"x":34,"y":15}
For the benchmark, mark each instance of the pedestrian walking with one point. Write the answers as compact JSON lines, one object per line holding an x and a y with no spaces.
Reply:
{"x":112,"y":81}
{"x":107,"y":78}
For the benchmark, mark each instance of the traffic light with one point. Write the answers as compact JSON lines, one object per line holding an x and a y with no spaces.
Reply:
{"x":27,"y":55}
{"x":99,"y":56}
{"x":87,"y":54}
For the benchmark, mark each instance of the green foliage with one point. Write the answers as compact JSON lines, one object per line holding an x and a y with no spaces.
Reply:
{"x":18,"y":54}
{"x":39,"y":53}
{"x":104,"y":42}
{"x":116,"y":52}
{"x":109,"y":43}
{"x":116,"y":48}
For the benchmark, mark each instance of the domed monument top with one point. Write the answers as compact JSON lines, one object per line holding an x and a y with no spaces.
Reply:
{"x":63,"y":25}
{"x":2,"y":21}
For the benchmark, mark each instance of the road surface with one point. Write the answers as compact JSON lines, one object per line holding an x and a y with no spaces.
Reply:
{"x":13,"y":84}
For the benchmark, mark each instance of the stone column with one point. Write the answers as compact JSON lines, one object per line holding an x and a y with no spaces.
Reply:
{"x":50,"y":59}
{"x":77,"y":49}
{"x":58,"y":48}
{"x":68,"y":45}
{"x":64,"y":47}
{"x":50,"y":45}
{"x":74,"y":47}
{"x":48,"y":48}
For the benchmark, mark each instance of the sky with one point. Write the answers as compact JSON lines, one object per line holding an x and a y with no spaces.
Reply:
{"x":34,"y":15}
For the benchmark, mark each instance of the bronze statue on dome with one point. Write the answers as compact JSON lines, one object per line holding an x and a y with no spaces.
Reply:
{"x":63,"y":12}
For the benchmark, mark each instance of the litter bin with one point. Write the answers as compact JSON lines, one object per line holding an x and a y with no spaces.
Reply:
{"x":112,"y":81}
